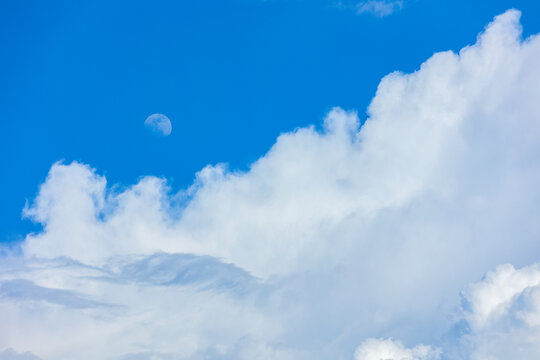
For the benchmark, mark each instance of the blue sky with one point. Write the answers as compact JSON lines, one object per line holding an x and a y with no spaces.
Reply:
{"x":79,"y":78}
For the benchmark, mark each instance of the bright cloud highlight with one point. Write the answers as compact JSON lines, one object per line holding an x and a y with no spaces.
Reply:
{"x":377,"y":349}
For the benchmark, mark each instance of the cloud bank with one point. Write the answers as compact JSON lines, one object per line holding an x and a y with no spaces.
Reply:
{"x":346,"y":241}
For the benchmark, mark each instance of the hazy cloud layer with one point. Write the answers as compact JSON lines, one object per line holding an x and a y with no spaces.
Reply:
{"x":342,"y":242}
{"x":10,"y":354}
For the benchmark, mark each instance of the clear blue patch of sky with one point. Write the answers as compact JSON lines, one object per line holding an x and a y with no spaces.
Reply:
{"x":78,"y":79}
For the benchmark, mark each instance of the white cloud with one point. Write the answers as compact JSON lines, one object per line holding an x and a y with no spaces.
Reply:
{"x":388,"y":349}
{"x":379,"y":8}
{"x":502,"y":317}
{"x":492,"y":298}
{"x":334,"y":236}
{"x":503,"y":311}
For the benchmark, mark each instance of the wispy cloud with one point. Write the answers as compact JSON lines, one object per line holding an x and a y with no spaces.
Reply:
{"x":379,"y":8}
{"x":26,"y":290}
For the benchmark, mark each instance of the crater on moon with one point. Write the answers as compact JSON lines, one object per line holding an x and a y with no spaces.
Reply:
{"x":159,"y":123}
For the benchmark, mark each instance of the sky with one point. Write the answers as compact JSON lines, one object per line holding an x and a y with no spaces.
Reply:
{"x":280,"y":179}
{"x":78,"y":80}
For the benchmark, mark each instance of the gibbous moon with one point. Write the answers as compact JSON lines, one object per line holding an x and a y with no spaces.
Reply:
{"x":159,"y":123}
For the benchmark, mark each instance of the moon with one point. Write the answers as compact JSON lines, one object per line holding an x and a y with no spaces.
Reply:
{"x":159,"y":124}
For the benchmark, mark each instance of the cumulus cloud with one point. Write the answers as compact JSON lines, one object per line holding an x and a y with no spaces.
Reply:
{"x":337,"y":235}
{"x":503,"y":313}
{"x":379,"y":8}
